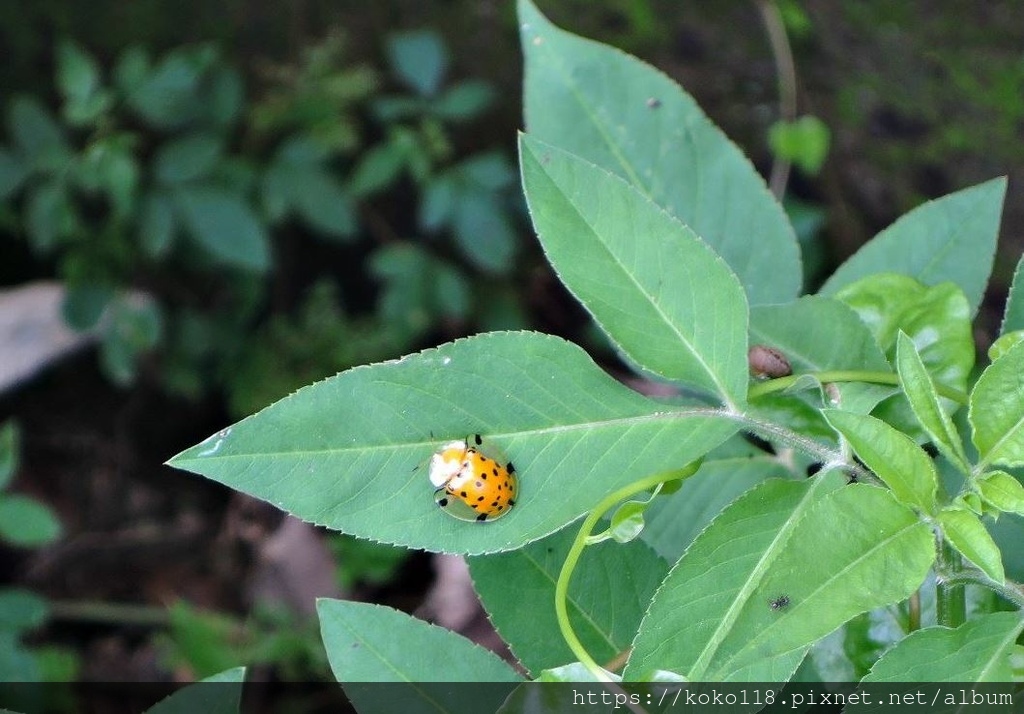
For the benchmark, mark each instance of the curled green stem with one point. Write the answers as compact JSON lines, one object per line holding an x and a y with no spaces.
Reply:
{"x":852,"y":375}
{"x":573,"y":556}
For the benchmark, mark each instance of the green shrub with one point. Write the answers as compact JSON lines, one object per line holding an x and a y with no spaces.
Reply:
{"x":745,"y":568}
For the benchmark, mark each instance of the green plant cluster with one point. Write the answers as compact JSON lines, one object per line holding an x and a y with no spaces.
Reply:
{"x":172,"y":202}
{"x":662,"y":229}
{"x":26,"y":523}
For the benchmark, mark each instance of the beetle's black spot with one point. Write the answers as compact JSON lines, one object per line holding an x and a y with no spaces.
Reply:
{"x":495,"y":470}
{"x":463,"y":494}
{"x":482,"y":517}
{"x":477,"y":439}
{"x":483,"y":459}
{"x":500,"y":507}
{"x":511,"y":503}
{"x":493,"y":504}
{"x":510,"y":468}
{"x":483,"y":476}
{"x":479,"y":484}
{"x":499,"y":486}
{"x":443,"y":502}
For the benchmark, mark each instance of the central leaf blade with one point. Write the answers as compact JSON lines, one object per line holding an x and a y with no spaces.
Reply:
{"x":660,"y":293}
{"x":350,"y":452}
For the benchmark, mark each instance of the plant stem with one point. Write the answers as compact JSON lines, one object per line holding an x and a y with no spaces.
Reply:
{"x":573,"y":556}
{"x":109,"y":613}
{"x":950,"y":602}
{"x":1007,"y":591}
{"x":847,"y":375}
{"x":785,"y":71}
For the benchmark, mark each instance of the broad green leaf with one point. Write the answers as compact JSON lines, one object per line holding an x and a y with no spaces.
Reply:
{"x":323,"y":203}
{"x":759,"y":605}
{"x":78,"y":73}
{"x":1003,"y":491}
{"x":804,"y":142}
{"x":674,"y":520}
{"x":26,"y":522}
{"x":937,"y":319}
{"x":608,"y":595}
{"x":12,"y":173}
{"x":655,"y":288}
{"x":997,"y":410}
{"x":49,"y":215}
{"x":482,"y":230}
{"x":83,"y":305}
{"x":819,"y":334}
{"x":976,"y":651}
{"x":924,"y":401}
{"x":188,"y":158}
{"x":418,"y":289}
{"x":378,"y":168}
{"x":1013,"y":316}
{"x":219,"y":694}
{"x":21,"y":610}
{"x":464,"y":101}
{"x":156,"y":224}
{"x":894,"y":457}
{"x":967,"y":534}
{"x":629,"y":118}
{"x":349,"y":452}
{"x":372,"y":643}
{"x":10,"y":445}
{"x":949,"y":239}
{"x":168,"y":95}
{"x":419,"y":59}
{"x":40,"y":140}
{"x":224,"y":225}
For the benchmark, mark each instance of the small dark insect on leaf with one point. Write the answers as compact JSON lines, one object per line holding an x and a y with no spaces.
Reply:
{"x":779,"y":603}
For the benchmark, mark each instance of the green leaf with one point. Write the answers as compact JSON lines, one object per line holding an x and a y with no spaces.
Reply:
{"x":997,"y":411}
{"x":924,"y":401}
{"x":188,"y":158}
{"x":656,"y":289}
{"x":674,"y":520}
{"x":323,"y":203}
{"x":489,"y":170}
{"x":38,"y":137}
{"x":1013,"y":316}
{"x":12,"y":174}
{"x":950,"y":239}
{"x":10,"y":445}
{"x":1002,"y":491}
{"x":628,"y":118}
{"x":936,"y":318}
{"x":348,"y":452}
{"x":48,"y":215}
{"x":608,"y":595}
{"x":437,"y":203}
{"x":109,"y":165}
{"x":78,"y":74}
{"x":976,"y":651}
{"x":156,"y":224}
{"x":21,"y":610}
{"x":419,"y":59}
{"x":224,"y":225}
{"x":464,"y":100}
{"x":219,"y":694}
{"x":377,"y":169}
{"x":26,"y":523}
{"x":967,"y":534}
{"x":372,"y":643}
{"x":818,"y":334}
{"x":804,"y":142}
{"x":894,"y":457}
{"x":418,"y":288}
{"x":83,"y":305}
{"x":168,"y":95}
{"x":482,"y":230}
{"x":716,"y":617}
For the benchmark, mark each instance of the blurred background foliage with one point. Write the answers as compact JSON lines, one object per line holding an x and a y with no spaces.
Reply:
{"x":244,"y":197}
